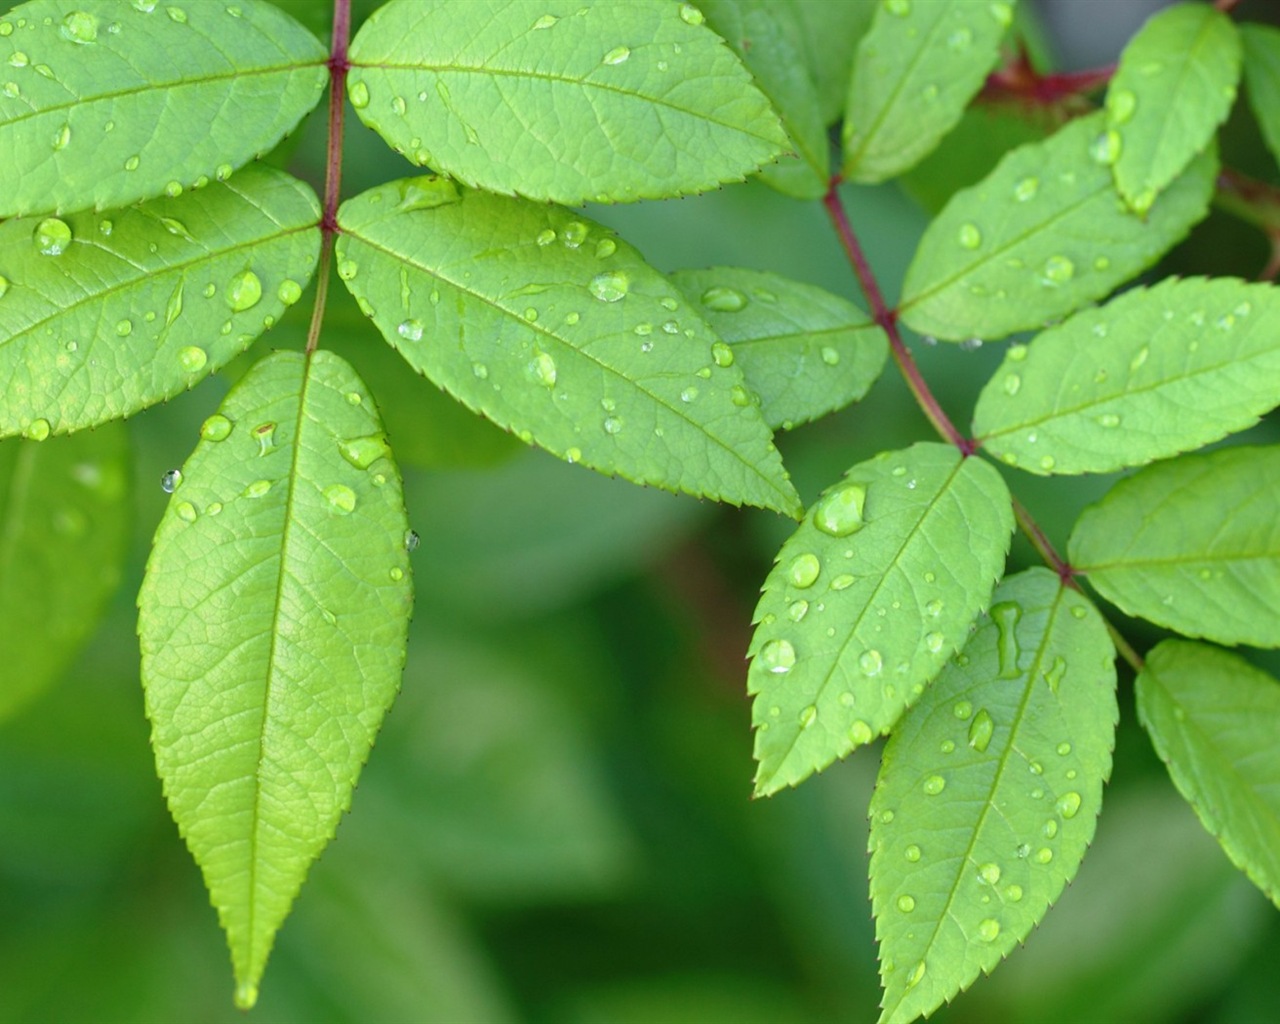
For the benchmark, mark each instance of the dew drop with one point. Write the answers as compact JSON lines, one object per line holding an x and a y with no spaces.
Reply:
{"x":840,"y":512}
{"x":1012,"y":384}
{"x":610,"y":286}
{"x":124,"y":328}
{"x":265,"y":435}
{"x":546,"y":21}
{"x":898,"y":8}
{"x":870,"y":662}
{"x":176,"y":14}
{"x":962,"y":710}
{"x":842,"y":582}
{"x":605,"y":248}
{"x":192,"y":358}
{"x":1044,"y":855}
{"x":359,"y":94}
{"x":970,"y":237}
{"x":363,"y":452}
{"x":257,"y":489}
{"x":797,"y":610}
{"x":63,"y":137}
{"x":989,"y":873}
{"x":1050,"y":829}
{"x":244,"y":291}
{"x":906,"y":904}
{"x":1058,"y":270}
{"x":808,"y":716}
{"x":989,"y":930}
{"x":688,"y":394}
{"x":216,"y":428}
{"x":934,"y":608}
{"x":690,"y":15}
{"x":341,"y":498}
{"x":934,"y":785}
{"x":1006,"y":615}
{"x":613,"y":425}
{"x":1106,"y":147}
{"x":933,"y":642}
{"x":289,"y":292}
{"x":410,"y":330}
{"x":186,"y":511}
{"x":722,"y":299}
{"x":1064,"y":749}
{"x":1109,"y":419}
{"x":1069,"y":805}
{"x":804,"y":569}
{"x":777,"y":657}
{"x":861,"y":733}
{"x":171,"y":481}
{"x":912,"y":853}
{"x":1047,"y":462}
{"x":396,"y":574}
{"x":574,"y":234}
{"x":1017,"y":353}
{"x":1013,"y":893}
{"x":52,"y":236}
{"x":981,"y":729}
{"x":542,"y":370}
{"x":721,"y":353}
{"x":830,"y":356}
{"x":618,"y":55}
{"x":1139,"y":358}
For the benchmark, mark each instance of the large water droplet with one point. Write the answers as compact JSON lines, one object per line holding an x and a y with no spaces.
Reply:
{"x":52,"y":236}
{"x":970,"y":237}
{"x":804,"y":569}
{"x":989,"y":930}
{"x":289,"y":292}
{"x":610,"y":286}
{"x":341,"y":498}
{"x":722,"y":299}
{"x":171,"y":481}
{"x":1006,"y":615}
{"x":574,"y":234}
{"x":244,"y":291}
{"x":542,"y":370}
{"x":989,"y":873}
{"x":363,"y":452}
{"x":80,"y":27}
{"x":359,"y":94}
{"x":870,"y":662}
{"x":934,"y":785}
{"x":192,"y":358}
{"x":906,"y":904}
{"x":981,"y":730}
{"x":1069,"y":805}
{"x":410,"y":330}
{"x":1058,"y":270}
{"x":216,"y":428}
{"x":690,"y":15}
{"x":777,"y":657}
{"x":618,"y":55}
{"x":840,"y":512}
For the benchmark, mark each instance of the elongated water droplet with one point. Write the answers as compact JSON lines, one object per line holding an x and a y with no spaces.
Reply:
{"x":840,"y":512}
{"x":691,"y":15}
{"x":359,"y":94}
{"x":171,"y":481}
{"x":265,"y":435}
{"x":244,"y":291}
{"x":52,"y":236}
{"x":542,"y":370}
{"x":618,"y":55}
{"x":257,"y":489}
{"x":777,"y":657}
{"x":1006,"y":615}
{"x":724,"y":300}
{"x":1069,"y":805}
{"x":341,"y":498}
{"x":216,"y":428}
{"x":363,"y":452}
{"x":981,"y":730}
{"x":605,"y":248}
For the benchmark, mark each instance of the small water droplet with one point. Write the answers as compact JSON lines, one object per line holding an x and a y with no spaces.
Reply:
{"x":808,"y":716}
{"x":898,"y":8}
{"x":840,"y":512}
{"x":1053,"y":675}
{"x":688,"y":394}
{"x":960,"y":40}
{"x":934,"y":785}
{"x":610,"y":286}
{"x":244,"y":291}
{"x":777,"y":657}
{"x":970,"y":236}
{"x":341,"y":498}
{"x":398,"y":105}
{"x":192,"y":358}
{"x":1049,"y":829}
{"x":1006,"y":615}
{"x":989,"y":873}
{"x":618,"y":55}
{"x":542,"y":370}
{"x":410,"y":330}
{"x":1109,"y":419}
{"x":830,"y":356}
{"x":574,"y":234}
{"x":989,"y":930}
{"x":359,"y":95}
{"x":396,"y":574}
{"x":363,"y":452}
{"x":62,"y":137}
{"x":861,"y":733}
{"x":1121,"y":103}
{"x":52,"y":236}
{"x":871,"y":662}
{"x":981,"y":729}
{"x":797,"y":610}
{"x":690,"y":15}
{"x":176,"y":14}
{"x":216,"y":428}
{"x":906,"y":904}
{"x":1069,"y":805}
{"x":257,"y":489}
{"x":912,"y":853}
{"x":1139,"y":358}
{"x":1012,"y":384}
{"x":186,"y":511}
{"x":804,"y":569}
{"x":962,"y":710}
{"x":1058,"y":270}
{"x":124,"y":328}
{"x":670,"y":327}
{"x":1106,"y":147}
{"x":721,"y":353}
{"x":613,"y":425}
{"x":171,"y":481}
{"x":722,"y":299}
{"x":1044,"y":855}
{"x":1013,"y":893}
{"x":289,"y":292}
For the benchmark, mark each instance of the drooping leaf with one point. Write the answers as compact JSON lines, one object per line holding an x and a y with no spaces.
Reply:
{"x":63,"y":533}
{"x":803,"y":351}
{"x":831,"y":33}
{"x":1261,"y":45}
{"x":769,"y":39}
{"x":1192,"y":544}
{"x":988,"y":792}
{"x":1042,"y":235}
{"x":561,"y":100}
{"x":1153,"y":373}
{"x":1213,"y":719}
{"x":558,"y":331}
{"x":103,"y":315}
{"x":870,"y":596}
{"x":273,"y":618}
{"x":1174,"y":85}
{"x":107,"y":103}
{"x":914,"y":73}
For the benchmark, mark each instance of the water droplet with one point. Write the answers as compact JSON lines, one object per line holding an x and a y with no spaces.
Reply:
{"x":1006,"y":615}
{"x":363,"y":452}
{"x":721,"y":353}
{"x":989,"y":930}
{"x":186,"y":511}
{"x":1139,"y":358}
{"x":610,"y":286}
{"x":688,"y":394}
{"x":934,"y":785}
{"x":797,"y":610}
{"x":1109,"y":419}
{"x":1058,"y":270}
{"x":670,"y":327}
{"x":830,"y":356}
{"x":1069,"y":805}
{"x":216,"y":428}
{"x":359,"y":94}
{"x":171,"y":481}
{"x":906,"y":904}
{"x":861,"y":733}
{"x":934,"y":608}
{"x":960,"y":40}
{"x":257,"y":489}
{"x":1049,"y":829}
{"x":840,"y":512}
{"x":690,"y":15}
{"x":777,"y":657}
{"x":18,"y":59}
{"x":1047,"y":462}
{"x":1017,"y":353}
{"x":912,"y":853}
{"x":398,"y":105}
{"x":265,"y":435}
{"x":52,"y":236}
{"x":808,"y":716}
{"x":410,"y":330}
{"x":192,"y":358}
{"x":989,"y":873}
{"x":341,"y":498}
{"x":1044,"y":855}
{"x":1106,"y":147}
{"x":870,"y":662}
{"x":244,"y":291}
{"x":618,"y":55}
{"x":970,"y":236}
{"x":1012,"y":383}
{"x":62,"y":138}
{"x":1121,"y":103}
{"x":898,"y":8}
{"x":1053,"y":675}
{"x":176,"y":14}
{"x":804,"y":570}
{"x":289,"y":292}
{"x":223,"y":172}
{"x":981,"y":730}
{"x":173,"y":189}
{"x":962,"y":710}
{"x":6,"y":28}
{"x":574,"y":234}
{"x":605,"y":248}
{"x":542,"y":370}
{"x":917,"y":972}
{"x":724,"y":300}
{"x":613,"y":425}
{"x":396,"y":574}
{"x":842,"y":582}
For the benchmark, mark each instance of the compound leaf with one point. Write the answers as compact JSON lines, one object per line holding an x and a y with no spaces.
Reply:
{"x":108,"y":103}
{"x":914,"y":73}
{"x":803,"y":351}
{"x":988,"y":793}
{"x":1192,"y":544}
{"x":561,"y":100}
{"x":105,"y":315}
{"x":1153,"y":373}
{"x":556,"y":330}
{"x":1042,"y":235}
{"x":869,"y":597}
{"x":273,"y":619}
{"x":1262,"y":77}
{"x":1174,"y":85}
{"x":64,"y":516}
{"x":1213,"y":719}
{"x":769,"y":39}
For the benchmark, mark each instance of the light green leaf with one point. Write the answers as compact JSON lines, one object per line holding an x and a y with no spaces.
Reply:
{"x":1213,"y":719}
{"x":1192,"y":544}
{"x":1261,"y":45}
{"x":273,"y":618}
{"x":562,"y":100}
{"x":870,"y":596}
{"x":914,"y":73}
{"x":988,"y":792}
{"x":103,"y":315}
{"x":1114,"y":387}
{"x":831,"y":33}
{"x":803,"y":351}
{"x":1174,"y":85}
{"x":107,"y":103}
{"x":769,"y":39}
{"x":557,"y":330}
{"x":64,"y":516}
{"x":1042,"y":235}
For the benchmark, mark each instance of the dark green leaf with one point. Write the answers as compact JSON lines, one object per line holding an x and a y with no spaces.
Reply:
{"x":1262,"y":76}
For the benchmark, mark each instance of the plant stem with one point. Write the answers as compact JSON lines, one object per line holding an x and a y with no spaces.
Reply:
{"x":338,"y":66}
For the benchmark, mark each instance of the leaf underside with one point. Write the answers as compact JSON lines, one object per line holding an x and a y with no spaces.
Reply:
{"x":557,"y":330}
{"x":273,"y":619}
{"x":870,"y":596}
{"x":989,"y":791}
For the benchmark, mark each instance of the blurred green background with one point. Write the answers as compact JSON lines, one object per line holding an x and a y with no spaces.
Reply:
{"x":555,"y":824}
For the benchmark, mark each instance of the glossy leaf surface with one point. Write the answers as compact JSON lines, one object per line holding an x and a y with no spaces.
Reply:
{"x":1174,"y":85}
{"x":988,"y":793}
{"x":1192,"y":544}
{"x":1213,"y":719}
{"x":561,"y":100}
{"x":1262,"y":79}
{"x":106,"y":314}
{"x":558,"y":331}
{"x":273,"y":618}
{"x":1153,"y":373}
{"x":1042,"y":235}
{"x":107,"y":103}
{"x":870,"y":596}
{"x":914,"y":73}
{"x":64,"y":514}
{"x":803,"y":351}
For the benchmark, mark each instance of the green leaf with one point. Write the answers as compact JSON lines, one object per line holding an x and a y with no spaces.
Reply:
{"x":1261,"y":44}
{"x":107,"y":103}
{"x":870,"y":596}
{"x":568,"y":102}
{"x":64,"y":517}
{"x":831,"y":33}
{"x":273,"y":618}
{"x":988,"y":792}
{"x":101,"y":316}
{"x":769,"y":39}
{"x":1153,"y":373}
{"x":560,"y":332}
{"x":1213,"y":719}
{"x":803,"y":351}
{"x":914,"y":73}
{"x":1042,"y":235}
{"x":1192,"y":544}
{"x":1174,"y":85}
